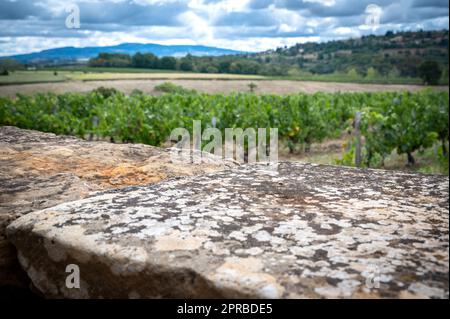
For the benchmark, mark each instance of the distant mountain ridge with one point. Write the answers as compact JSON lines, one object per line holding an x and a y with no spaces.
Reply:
{"x":73,"y":54}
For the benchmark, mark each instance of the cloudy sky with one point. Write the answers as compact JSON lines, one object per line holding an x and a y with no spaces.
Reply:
{"x":251,"y":25}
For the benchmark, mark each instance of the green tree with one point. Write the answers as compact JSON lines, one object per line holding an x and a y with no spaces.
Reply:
{"x":186,"y":63}
{"x":138,"y":60}
{"x":252,"y":86}
{"x":394,"y":73}
{"x":147,"y":60}
{"x":371,"y":73}
{"x":430,"y":72}
{"x":224,"y":67}
{"x":211,"y":69}
{"x":352,"y":73}
{"x":168,"y":63}
{"x":111,"y":60}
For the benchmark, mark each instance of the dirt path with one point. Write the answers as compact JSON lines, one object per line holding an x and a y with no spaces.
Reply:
{"x":209,"y":86}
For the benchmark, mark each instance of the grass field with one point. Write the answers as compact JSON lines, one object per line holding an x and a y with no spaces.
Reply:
{"x":23,"y":77}
{"x":345,"y":78}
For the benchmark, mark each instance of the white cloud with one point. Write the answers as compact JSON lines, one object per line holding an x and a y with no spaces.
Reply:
{"x":327,"y":3}
{"x":213,"y":8}
{"x":197,"y":26}
{"x":286,"y":28}
{"x":234,"y":24}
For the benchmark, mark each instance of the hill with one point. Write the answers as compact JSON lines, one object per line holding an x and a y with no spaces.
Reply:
{"x":396,"y":53}
{"x":395,"y":57}
{"x":72,"y":54}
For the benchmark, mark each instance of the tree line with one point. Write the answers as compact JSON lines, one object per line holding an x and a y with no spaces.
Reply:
{"x":236,"y":64}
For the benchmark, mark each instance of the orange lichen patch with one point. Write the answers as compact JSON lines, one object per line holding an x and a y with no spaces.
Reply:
{"x":100,"y":171}
{"x":129,"y":175}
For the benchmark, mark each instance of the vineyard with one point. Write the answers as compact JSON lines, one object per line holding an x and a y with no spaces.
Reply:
{"x":405,"y":122}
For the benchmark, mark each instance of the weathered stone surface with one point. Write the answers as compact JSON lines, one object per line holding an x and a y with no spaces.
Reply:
{"x":40,"y":170}
{"x":304,"y":231}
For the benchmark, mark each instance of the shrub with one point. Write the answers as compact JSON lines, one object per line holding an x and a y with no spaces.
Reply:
{"x":169,"y":87}
{"x":106,"y":92}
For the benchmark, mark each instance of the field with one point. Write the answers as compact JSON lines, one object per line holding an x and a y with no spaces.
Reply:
{"x":20,"y":77}
{"x":210,"y":86}
{"x":100,"y":74}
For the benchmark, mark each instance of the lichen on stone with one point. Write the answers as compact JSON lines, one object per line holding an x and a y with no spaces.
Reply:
{"x":305,"y":230}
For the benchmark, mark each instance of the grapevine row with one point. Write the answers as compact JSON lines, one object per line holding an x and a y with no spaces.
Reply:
{"x":399,"y":120}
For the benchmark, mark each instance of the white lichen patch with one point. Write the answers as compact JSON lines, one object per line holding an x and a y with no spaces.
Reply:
{"x":178,"y":241}
{"x":246,"y":275}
